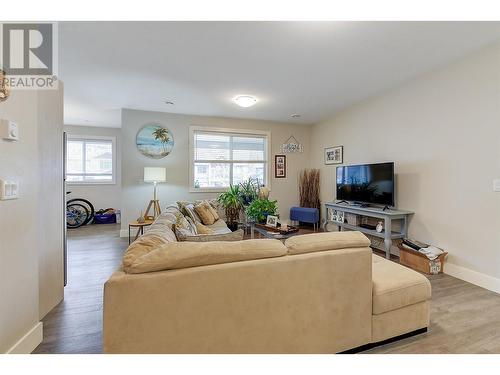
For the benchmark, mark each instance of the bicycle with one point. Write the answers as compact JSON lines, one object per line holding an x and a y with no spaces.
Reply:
{"x":79,"y":212}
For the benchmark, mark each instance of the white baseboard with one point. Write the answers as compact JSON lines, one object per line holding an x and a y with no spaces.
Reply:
{"x":124,"y":233}
{"x":473,"y":277}
{"x":29,"y":341}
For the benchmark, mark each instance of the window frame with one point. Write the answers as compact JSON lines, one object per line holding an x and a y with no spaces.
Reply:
{"x":267,"y":161}
{"x":86,"y":138}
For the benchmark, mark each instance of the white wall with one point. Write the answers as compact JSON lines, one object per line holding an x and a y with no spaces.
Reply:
{"x":101,"y":195}
{"x":136,"y":194}
{"x":442,"y":130}
{"x":29,"y":259}
{"x":51,"y":201}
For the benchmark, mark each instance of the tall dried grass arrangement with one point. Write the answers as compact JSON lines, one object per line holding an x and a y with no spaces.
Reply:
{"x":309,"y":188}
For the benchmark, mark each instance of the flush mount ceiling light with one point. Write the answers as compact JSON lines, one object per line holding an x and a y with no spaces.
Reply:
{"x":169,"y":102}
{"x":295,"y":115}
{"x":245,"y":101}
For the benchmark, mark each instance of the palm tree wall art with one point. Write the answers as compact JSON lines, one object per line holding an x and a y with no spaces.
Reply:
{"x":154,"y":141}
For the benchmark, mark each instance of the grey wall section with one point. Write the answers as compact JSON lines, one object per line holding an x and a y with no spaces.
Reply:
{"x":31,"y":226}
{"x":102,"y":196}
{"x":443,"y":133}
{"x":136,"y":194}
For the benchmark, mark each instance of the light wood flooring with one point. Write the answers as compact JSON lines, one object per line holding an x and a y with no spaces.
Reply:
{"x":464,"y":318}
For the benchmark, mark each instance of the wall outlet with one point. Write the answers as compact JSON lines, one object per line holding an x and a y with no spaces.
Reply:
{"x":9,"y":190}
{"x":496,"y":185}
{"x":9,"y":130}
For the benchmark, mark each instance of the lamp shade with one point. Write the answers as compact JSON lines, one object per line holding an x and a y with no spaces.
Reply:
{"x":155,"y":174}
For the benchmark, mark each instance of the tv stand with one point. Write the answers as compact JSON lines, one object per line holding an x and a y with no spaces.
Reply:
{"x":386,"y":214}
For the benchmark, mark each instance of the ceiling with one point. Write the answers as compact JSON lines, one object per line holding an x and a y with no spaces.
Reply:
{"x":314,"y":69}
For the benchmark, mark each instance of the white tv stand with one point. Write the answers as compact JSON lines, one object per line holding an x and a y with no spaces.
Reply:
{"x":388,"y":215}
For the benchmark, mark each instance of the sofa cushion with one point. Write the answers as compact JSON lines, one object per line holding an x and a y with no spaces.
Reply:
{"x":309,"y":243}
{"x":158,"y":234}
{"x":170,"y":213}
{"x":395,"y":286}
{"x":231,"y":236}
{"x":192,"y":254}
{"x":219,"y":227}
{"x":203,"y":229}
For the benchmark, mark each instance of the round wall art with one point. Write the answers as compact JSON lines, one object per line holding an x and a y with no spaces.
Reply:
{"x":154,"y":141}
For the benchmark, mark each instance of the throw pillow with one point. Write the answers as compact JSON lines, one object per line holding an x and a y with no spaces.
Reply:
{"x":203,"y":229}
{"x":187,"y":208}
{"x":192,"y":224}
{"x":233,"y":236}
{"x":182,"y":224}
{"x":213,"y":212}
{"x":203,"y":211}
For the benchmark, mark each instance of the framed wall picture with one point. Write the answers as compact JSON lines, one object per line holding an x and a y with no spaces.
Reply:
{"x":280,"y":166}
{"x":334,"y":155}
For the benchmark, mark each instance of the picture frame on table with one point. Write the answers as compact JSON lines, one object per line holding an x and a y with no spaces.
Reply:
{"x":272,"y":221}
{"x":280,"y":166}
{"x":334,"y":155}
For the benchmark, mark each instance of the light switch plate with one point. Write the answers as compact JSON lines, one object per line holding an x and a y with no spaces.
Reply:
{"x":9,"y":190}
{"x":496,"y":185}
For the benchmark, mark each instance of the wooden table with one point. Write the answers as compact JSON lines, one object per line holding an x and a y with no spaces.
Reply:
{"x":269,"y":234}
{"x":140,"y":228}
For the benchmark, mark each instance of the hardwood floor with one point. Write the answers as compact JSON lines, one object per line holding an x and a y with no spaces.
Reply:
{"x":464,"y":318}
{"x":75,"y":325}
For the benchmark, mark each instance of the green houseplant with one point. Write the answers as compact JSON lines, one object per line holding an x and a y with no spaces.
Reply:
{"x":249,"y":190}
{"x":259,"y":209}
{"x":232,"y":203}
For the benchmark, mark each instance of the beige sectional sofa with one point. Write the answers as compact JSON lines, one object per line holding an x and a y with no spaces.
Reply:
{"x":317,"y":293}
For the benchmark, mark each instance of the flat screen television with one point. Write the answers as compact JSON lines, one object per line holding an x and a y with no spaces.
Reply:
{"x":366,"y":184}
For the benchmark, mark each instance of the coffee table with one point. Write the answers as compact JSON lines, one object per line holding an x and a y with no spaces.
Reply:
{"x":268,"y":234}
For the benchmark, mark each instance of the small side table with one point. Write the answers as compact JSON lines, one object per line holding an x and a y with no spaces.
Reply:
{"x":140,"y":228}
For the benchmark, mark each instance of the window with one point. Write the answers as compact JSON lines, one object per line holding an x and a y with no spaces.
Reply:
{"x":220,"y":157}
{"x":90,"y":160}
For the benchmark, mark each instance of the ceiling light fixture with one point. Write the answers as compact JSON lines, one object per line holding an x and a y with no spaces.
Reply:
{"x":245,"y":101}
{"x":169,"y":102}
{"x":295,"y":115}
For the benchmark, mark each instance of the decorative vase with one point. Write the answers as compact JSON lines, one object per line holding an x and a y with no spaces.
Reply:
{"x":141,"y":219}
{"x":264,"y":193}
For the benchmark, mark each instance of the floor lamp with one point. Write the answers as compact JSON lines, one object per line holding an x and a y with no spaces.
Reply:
{"x":154,"y":175}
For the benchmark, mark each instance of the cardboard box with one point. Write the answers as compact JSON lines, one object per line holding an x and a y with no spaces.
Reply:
{"x":420,"y":262}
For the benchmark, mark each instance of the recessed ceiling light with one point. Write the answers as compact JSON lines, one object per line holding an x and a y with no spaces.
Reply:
{"x":169,"y":102}
{"x":295,"y":115}
{"x":245,"y":101}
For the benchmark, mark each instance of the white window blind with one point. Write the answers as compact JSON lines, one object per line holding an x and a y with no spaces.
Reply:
{"x":224,"y":158}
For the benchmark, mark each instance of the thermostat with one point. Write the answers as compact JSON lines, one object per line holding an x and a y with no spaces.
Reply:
{"x":9,"y":130}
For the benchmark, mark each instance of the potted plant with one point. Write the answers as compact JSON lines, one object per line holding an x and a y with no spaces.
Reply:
{"x":249,"y":190}
{"x":232,"y":203}
{"x":259,"y":209}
